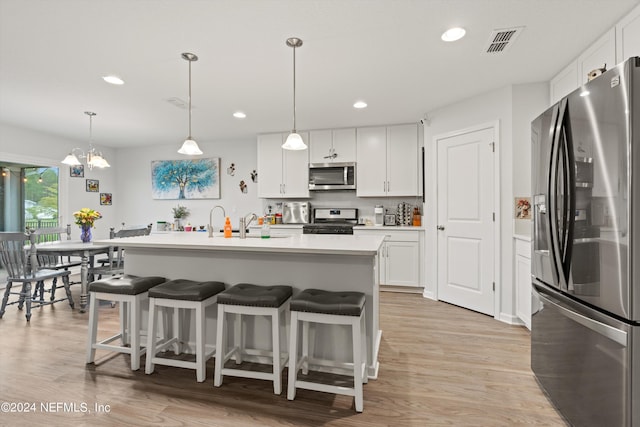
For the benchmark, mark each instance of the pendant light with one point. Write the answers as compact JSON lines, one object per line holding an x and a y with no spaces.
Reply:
{"x":93,"y":157}
{"x":190,"y":146}
{"x":294,"y":140}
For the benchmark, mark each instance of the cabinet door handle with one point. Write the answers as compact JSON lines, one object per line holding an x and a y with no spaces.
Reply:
{"x":384,"y":186}
{"x":441,"y":227}
{"x":388,"y":186}
{"x":284,"y":188}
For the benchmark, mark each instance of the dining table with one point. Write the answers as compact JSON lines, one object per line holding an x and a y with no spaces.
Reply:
{"x":86,"y":252}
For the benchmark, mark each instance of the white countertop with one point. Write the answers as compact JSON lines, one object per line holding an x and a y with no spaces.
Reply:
{"x":388,"y":227}
{"x":303,"y":243}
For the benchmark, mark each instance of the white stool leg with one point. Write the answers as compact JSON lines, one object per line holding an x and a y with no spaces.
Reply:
{"x":357,"y":364}
{"x":177,"y":330}
{"x":363,"y":345}
{"x":293,"y":356}
{"x":200,"y":361}
{"x":134,"y":332}
{"x":238,"y":338}
{"x":124,"y":322}
{"x":277,"y":372}
{"x":93,"y":328}
{"x":221,"y":340}
{"x":151,"y":336}
{"x":305,"y":348}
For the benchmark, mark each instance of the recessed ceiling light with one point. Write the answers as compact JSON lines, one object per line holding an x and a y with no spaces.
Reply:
{"x":360,"y":104}
{"x":239,"y":115}
{"x":453,"y":34}
{"x":114,"y":80}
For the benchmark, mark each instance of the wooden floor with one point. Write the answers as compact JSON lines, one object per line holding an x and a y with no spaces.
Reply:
{"x":439,"y":365}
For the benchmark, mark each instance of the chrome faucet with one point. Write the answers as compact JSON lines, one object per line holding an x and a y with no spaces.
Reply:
{"x":244,"y":224}
{"x":224,"y":215}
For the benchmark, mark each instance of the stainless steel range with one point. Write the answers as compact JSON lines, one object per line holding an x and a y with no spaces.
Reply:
{"x":332,"y":221}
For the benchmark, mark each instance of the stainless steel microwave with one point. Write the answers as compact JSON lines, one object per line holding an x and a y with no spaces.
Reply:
{"x":332,"y":176}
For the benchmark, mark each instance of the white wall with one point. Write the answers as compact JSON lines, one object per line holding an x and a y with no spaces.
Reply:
{"x":510,"y":106}
{"x":136,"y":206}
{"x":528,"y":101}
{"x":27,"y":146}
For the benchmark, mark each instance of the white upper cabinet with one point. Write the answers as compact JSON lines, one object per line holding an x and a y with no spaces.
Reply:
{"x":628,"y":36}
{"x":282,"y":173}
{"x":372,"y":162}
{"x":387,"y":162}
{"x":332,"y":146}
{"x":402,"y":160}
{"x":565,"y":82}
{"x":601,"y":54}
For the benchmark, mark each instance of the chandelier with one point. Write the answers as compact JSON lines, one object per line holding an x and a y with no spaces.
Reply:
{"x":93,"y":157}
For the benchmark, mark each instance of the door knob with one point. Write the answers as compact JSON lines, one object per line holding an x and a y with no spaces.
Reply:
{"x":441,"y":227}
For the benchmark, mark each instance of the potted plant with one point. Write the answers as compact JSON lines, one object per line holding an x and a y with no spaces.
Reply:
{"x":179,"y":213}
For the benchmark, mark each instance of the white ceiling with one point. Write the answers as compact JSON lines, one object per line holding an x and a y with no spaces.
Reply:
{"x":386,"y":52}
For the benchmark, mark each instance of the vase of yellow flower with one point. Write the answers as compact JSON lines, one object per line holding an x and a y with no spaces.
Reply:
{"x":85,"y":218}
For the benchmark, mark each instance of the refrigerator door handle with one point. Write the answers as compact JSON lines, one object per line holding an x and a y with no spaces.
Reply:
{"x":552,"y":183}
{"x":614,"y":334}
{"x":569,"y":195}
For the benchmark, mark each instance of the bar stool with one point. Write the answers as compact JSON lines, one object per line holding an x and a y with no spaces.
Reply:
{"x":131,"y":291}
{"x":251,"y":300}
{"x":334,"y":308}
{"x":181,"y":295}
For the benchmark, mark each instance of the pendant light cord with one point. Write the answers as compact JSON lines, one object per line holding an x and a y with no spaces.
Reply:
{"x":294,"y":89}
{"x":190,"y":99}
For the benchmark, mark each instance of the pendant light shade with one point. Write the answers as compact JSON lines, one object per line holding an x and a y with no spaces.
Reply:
{"x":94,"y":158}
{"x":190,"y":146}
{"x":294,"y":140}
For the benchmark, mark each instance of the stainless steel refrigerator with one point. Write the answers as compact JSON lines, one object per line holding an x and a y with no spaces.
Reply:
{"x":585,"y":332}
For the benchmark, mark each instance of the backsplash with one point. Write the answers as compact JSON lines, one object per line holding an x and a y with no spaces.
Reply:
{"x":348,"y":199}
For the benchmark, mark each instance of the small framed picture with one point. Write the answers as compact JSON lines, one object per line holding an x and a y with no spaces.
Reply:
{"x":522,"y":207}
{"x":93,"y":185}
{"x":76,"y":171}
{"x":105,"y":198}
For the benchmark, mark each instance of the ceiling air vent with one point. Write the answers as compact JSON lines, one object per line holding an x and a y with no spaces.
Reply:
{"x":501,"y":40}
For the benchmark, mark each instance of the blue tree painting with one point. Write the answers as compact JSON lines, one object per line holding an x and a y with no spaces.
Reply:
{"x":186,"y":179}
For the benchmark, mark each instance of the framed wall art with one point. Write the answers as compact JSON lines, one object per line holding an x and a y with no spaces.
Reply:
{"x":522,"y":207}
{"x":105,"y":199}
{"x":93,"y":185}
{"x":186,"y":179}
{"x":76,"y":171}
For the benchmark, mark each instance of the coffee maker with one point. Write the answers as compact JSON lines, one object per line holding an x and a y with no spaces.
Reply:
{"x":378,"y":215}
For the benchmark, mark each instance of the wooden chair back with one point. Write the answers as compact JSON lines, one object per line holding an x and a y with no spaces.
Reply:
{"x":17,"y":249}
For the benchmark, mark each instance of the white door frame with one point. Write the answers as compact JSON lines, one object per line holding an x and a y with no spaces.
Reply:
{"x":495,"y":125}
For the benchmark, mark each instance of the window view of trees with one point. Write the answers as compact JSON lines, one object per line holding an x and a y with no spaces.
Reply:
{"x":40,"y":196}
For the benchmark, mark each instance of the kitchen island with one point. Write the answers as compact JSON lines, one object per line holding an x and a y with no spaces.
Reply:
{"x":329,"y":262}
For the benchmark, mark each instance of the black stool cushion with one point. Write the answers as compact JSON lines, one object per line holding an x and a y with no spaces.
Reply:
{"x":255,"y":296}
{"x":126,"y":285}
{"x":187,"y":290}
{"x":327,"y":302}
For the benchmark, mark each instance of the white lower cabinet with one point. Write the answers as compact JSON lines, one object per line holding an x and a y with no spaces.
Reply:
{"x":523,"y":280}
{"x":400,"y":256}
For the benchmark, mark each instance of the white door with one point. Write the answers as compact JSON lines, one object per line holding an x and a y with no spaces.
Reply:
{"x":465,"y":220}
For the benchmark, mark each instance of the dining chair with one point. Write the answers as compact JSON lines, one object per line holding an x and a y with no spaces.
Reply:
{"x":113,"y":265}
{"x":19,"y":257}
{"x":55,"y":262}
